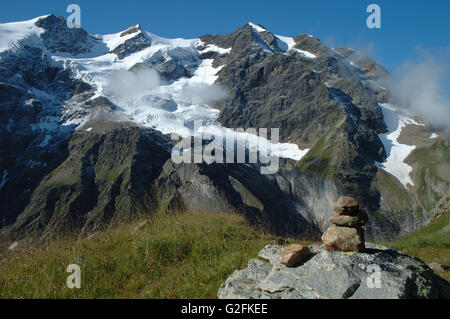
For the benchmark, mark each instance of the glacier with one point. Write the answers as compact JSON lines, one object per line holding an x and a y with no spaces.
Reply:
{"x":170,"y":106}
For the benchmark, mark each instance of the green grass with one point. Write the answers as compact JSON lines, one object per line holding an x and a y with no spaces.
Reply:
{"x":430,"y":244}
{"x":172,"y":256}
{"x":318,"y":159}
{"x":431,"y":163}
{"x":393,"y":192}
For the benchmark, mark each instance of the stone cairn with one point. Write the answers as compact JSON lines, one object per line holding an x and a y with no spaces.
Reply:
{"x":347,"y":233}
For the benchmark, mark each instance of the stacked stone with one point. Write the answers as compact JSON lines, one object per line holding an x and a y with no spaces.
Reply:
{"x":347,"y":233}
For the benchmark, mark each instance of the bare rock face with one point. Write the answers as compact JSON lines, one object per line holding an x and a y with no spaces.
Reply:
{"x":338,"y":238}
{"x":294,"y":255}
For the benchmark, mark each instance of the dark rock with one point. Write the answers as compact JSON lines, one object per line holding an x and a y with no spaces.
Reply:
{"x":133,"y":45}
{"x":134,"y":29}
{"x":59,"y":38}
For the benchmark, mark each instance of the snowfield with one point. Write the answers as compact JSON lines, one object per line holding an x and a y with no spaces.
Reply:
{"x":142,"y":97}
{"x":11,"y":34}
{"x":396,"y":152}
{"x":433,"y":136}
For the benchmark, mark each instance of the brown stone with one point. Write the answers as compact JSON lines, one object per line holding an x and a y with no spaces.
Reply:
{"x":357,"y":219}
{"x":346,"y":220}
{"x":338,"y":238}
{"x":294,"y":255}
{"x":346,"y":205}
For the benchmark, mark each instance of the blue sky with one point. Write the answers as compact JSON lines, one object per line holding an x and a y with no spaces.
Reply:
{"x":406,"y":25}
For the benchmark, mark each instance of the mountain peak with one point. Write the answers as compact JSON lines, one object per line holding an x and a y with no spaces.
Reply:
{"x":58,"y":37}
{"x":133,"y":29}
{"x":257,"y":27}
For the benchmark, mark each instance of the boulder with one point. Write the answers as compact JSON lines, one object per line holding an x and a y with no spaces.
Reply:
{"x":294,"y":255}
{"x":337,"y":238}
{"x":346,"y":205}
{"x":358,"y":220}
{"x":377,"y":273}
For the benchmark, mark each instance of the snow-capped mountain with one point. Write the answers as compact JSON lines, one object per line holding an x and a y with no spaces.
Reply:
{"x":84,"y":120}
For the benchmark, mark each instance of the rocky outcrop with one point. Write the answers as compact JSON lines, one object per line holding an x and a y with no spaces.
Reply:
{"x":122,"y":172}
{"x":378,"y":273}
{"x":370,"y":68}
{"x":133,"y":45}
{"x":57,"y":37}
{"x":106,"y":177}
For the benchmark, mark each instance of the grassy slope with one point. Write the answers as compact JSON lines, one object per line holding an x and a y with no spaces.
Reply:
{"x":432,"y":163}
{"x":431,"y":243}
{"x":172,"y":256}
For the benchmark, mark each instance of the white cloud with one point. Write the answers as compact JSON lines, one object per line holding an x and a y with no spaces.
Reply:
{"x":202,"y":93}
{"x":420,"y":88}
{"x":127,"y":85}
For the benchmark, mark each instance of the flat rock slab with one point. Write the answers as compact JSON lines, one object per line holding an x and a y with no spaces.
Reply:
{"x":378,"y":273}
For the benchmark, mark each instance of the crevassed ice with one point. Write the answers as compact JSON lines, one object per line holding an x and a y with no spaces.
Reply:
{"x":146,"y":108}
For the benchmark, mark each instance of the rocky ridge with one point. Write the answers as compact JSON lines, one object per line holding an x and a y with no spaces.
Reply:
{"x":64,"y":144}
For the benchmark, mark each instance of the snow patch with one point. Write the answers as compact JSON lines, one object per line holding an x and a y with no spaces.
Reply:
{"x":287,"y":43}
{"x":306,"y":54}
{"x":256,"y":27}
{"x":434,"y":135}
{"x":254,"y":143}
{"x":215,"y":48}
{"x":396,"y":152}
{"x":11,"y":34}
{"x":112,"y":41}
